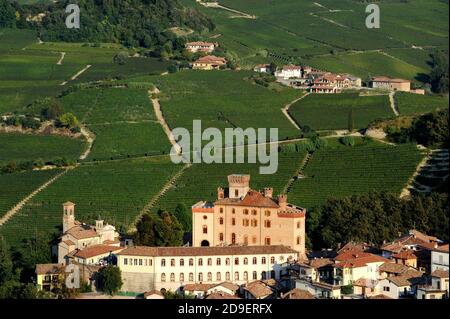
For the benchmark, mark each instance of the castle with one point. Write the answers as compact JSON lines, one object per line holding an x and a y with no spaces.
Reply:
{"x":242,"y":216}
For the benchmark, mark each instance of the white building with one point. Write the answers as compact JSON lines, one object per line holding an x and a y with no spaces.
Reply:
{"x":289,"y":72}
{"x":439,"y":258}
{"x":171,"y":268}
{"x":78,"y":236}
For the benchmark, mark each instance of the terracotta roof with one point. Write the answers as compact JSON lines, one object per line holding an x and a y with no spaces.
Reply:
{"x":364,"y":282}
{"x":226,"y":284}
{"x":211,"y":59}
{"x":258,"y":289}
{"x":205,"y":251}
{"x":393,"y":268}
{"x":48,"y":269}
{"x":261,"y":66}
{"x":197,"y":287}
{"x":291,"y":67}
{"x":440,"y":273}
{"x":68,"y":203}
{"x":404,"y":280}
{"x":320,"y":262}
{"x":405,"y":254}
{"x":353,"y":246}
{"x":221,"y":295}
{"x":152,"y":292}
{"x":387,"y":79}
{"x":442,"y":248}
{"x":96,"y":250}
{"x":252,"y":199}
{"x":352,"y":259}
{"x":110,"y":242}
{"x":81,"y":232}
{"x":68,"y":242}
{"x":298,"y":294}
{"x":199,"y":43}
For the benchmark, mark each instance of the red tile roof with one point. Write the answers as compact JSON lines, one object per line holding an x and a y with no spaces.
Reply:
{"x":405,"y":254}
{"x":298,"y":294}
{"x":49,"y":269}
{"x":96,"y":250}
{"x":440,"y":273}
{"x":212,"y":59}
{"x":352,"y":259}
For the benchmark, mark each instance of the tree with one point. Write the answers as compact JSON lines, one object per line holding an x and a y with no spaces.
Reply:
{"x":121,"y":58}
{"x":439,"y":72}
{"x":7,"y":14}
{"x":110,"y":280}
{"x":67,"y":120}
{"x":52,"y":110}
{"x":183,"y":216}
{"x":145,"y":231}
{"x":168,"y":230}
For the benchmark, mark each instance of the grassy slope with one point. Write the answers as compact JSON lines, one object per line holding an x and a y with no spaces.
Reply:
{"x":416,"y":104}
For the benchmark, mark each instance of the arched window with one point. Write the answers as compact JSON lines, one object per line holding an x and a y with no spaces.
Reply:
{"x":255,"y":275}
{"x":245,"y":275}
{"x":245,"y":211}
{"x":267,"y":241}
{"x":172,"y":262}
{"x":236,"y":275}
{"x":191,"y":262}
{"x":236,"y":261}
{"x":227,"y":276}
{"x":236,"y":193}
{"x":267,"y":223}
{"x":181,"y":277}
{"x":200,"y":276}
{"x":200,"y":262}
{"x":245,"y":261}
{"x":233,"y":221}
{"x":245,"y":240}
{"x":209,"y":276}
{"x":254,"y":222}
{"x":163,"y":262}
{"x":227,"y":261}
{"x":220,"y":236}
{"x":205,"y":229}
{"x":218,"y":261}
{"x":263,"y":275}
{"x":191,"y":276}
{"x":221,"y":220}
{"x":254,"y":240}
{"x":254,"y":212}
{"x":255,"y":261}
{"x":209,"y":261}
{"x":267,"y":213}
{"x":181,"y":262}
{"x":163,"y":277}
{"x":299,"y":224}
{"x":298,"y":240}
{"x":233,"y":211}
{"x":172,"y":277}
{"x":218,"y":276}
{"x":263,"y":260}
{"x":272,"y":260}
{"x":233,"y":238}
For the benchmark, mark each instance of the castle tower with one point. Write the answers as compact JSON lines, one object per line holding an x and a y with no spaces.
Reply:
{"x":69,"y":216}
{"x":239,"y":185}
{"x":99,"y":225}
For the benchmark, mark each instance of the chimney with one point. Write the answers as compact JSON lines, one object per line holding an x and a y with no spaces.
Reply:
{"x":220,"y":193}
{"x":282,"y":201}
{"x":268,"y":192}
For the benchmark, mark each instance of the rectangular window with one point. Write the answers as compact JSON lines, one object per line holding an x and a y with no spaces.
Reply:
{"x":125,"y":261}
{"x":140,"y":262}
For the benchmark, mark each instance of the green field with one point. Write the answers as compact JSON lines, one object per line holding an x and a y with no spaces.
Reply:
{"x":409,"y":104}
{"x":14,"y":187}
{"x":331,"y":112}
{"x":117,"y":191}
{"x":189,"y":191}
{"x":223,"y":99}
{"x":346,"y":171}
{"x":25,"y":147}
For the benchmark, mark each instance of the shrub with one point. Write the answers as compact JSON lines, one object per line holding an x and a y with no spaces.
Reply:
{"x":347,"y":140}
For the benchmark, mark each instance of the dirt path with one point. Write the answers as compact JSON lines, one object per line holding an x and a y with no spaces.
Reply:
{"x":406,"y":190}
{"x":216,"y":5}
{"x":161,"y":119}
{"x":90,"y":137}
{"x":77,"y":75}
{"x":298,"y":173}
{"x":285,"y":110}
{"x":167,"y":186}
{"x":22,"y":203}
{"x":63,"y":54}
{"x":329,"y":20}
{"x":393,"y":104}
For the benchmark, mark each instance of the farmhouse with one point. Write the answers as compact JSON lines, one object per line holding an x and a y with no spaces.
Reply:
{"x":289,"y":71}
{"x":242,"y":216}
{"x":200,"y":46}
{"x":209,"y":62}
{"x":262,"y":68}
{"x":78,"y":236}
{"x":174,"y":268}
{"x":386,"y":83}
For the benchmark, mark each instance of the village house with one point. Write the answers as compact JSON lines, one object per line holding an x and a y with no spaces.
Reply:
{"x":259,"y":290}
{"x":242,"y":216}
{"x":401,"y":286}
{"x":226,"y":287}
{"x":438,"y":289}
{"x":386,"y":83}
{"x":77,"y":236}
{"x":209,"y":62}
{"x":173,"y":268}
{"x":439,"y":258}
{"x":262,"y":68}
{"x":319,"y":290}
{"x":49,"y":276}
{"x":201,"y":46}
{"x":289,"y":71}
{"x":297,"y":294}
